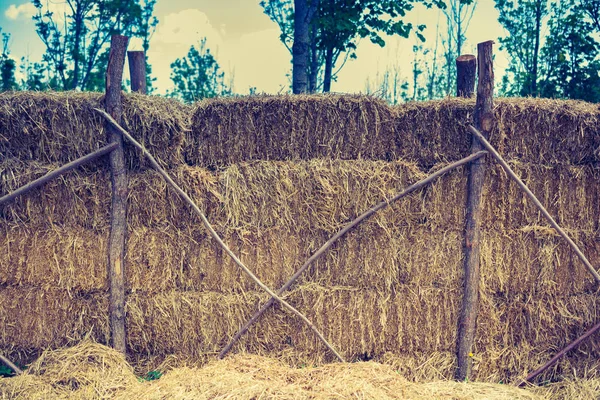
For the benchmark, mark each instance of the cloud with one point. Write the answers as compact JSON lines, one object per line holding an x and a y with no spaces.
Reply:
{"x":26,"y":10}
{"x":175,"y":34}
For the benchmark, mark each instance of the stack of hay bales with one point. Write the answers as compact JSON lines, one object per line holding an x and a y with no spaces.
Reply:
{"x":277,"y":176}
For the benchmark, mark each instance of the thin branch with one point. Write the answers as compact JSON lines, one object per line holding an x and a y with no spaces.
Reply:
{"x":342,"y":232}
{"x":10,"y":365}
{"x":212,"y":232}
{"x":535,"y":201}
{"x":58,"y":172}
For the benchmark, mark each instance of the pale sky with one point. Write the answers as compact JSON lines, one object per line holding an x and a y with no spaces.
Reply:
{"x":247,"y":44}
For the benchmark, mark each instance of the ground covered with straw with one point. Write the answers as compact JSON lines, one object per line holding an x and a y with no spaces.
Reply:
{"x":92,"y":371}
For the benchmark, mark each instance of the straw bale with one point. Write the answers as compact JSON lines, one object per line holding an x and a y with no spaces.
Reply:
{"x":536,"y":260}
{"x":57,"y":127}
{"x":411,"y":327}
{"x":545,"y":130}
{"x":227,"y":131}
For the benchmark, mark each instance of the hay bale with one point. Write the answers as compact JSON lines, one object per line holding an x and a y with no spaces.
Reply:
{"x":417,"y":324}
{"x":227,"y":131}
{"x":59,"y":127}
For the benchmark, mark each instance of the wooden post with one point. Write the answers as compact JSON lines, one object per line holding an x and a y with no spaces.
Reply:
{"x":137,"y":71}
{"x":415,"y":186}
{"x":118,"y":221}
{"x":484,"y":117}
{"x":466,"y":66}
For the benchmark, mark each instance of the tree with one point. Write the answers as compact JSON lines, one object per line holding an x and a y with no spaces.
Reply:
{"x":33,"y":75}
{"x":592,"y":9}
{"x":458,"y":15}
{"x":337,"y":25}
{"x":523,"y":21}
{"x":571,"y":66}
{"x":198,"y":75}
{"x":300,"y":47}
{"x":7,"y":66}
{"x":77,"y":43}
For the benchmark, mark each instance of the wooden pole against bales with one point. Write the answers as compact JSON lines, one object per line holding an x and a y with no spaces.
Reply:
{"x":484,"y":119}
{"x":213,"y":233}
{"x":415,"y":186}
{"x":58,"y":172}
{"x":536,"y":202}
{"x":118,"y":220}
{"x":137,"y":71}
{"x":466,"y":66}
{"x":561,"y":354}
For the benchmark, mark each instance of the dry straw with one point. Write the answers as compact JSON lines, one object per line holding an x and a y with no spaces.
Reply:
{"x":91,"y":371}
{"x":295,"y":170}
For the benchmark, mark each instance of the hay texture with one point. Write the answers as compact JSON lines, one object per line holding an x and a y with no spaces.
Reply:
{"x":339,"y":126}
{"x":61,"y":127}
{"x":91,"y":371}
{"x":278,"y":176}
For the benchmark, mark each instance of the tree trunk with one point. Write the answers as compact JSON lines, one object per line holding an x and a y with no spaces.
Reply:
{"x":137,"y":71}
{"x":536,"y":48}
{"x":300,"y":47}
{"x":118,"y":222}
{"x":328,"y":70}
{"x":466,"y":66}
{"x":484,"y":117}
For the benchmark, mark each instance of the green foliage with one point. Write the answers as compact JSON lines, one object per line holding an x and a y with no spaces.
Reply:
{"x":522,"y":21}
{"x":564,"y":63}
{"x":198,"y":75}
{"x":338,"y":25}
{"x":152,"y":375}
{"x":571,"y":65}
{"x":77,"y":48}
{"x":7,"y":66}
{"x":33,"y":75}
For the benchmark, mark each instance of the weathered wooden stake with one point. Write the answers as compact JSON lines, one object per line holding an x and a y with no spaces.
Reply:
{"x":415,"y":186}
{"x":466,"y":66}
{"x":58,"y":172}
{"x":484,"y":118}
{"x":118,"y":221}
{"x":137,"y":71}
{"x":536,"y":202}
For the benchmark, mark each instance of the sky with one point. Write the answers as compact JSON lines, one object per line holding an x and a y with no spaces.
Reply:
{"x":246,"y":42}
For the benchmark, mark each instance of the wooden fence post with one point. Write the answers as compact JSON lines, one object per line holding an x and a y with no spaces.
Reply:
{"x":466,"y":66}
{"x":137,"y":71}
{"x":484,"y":117}
{"x":118,"y":221}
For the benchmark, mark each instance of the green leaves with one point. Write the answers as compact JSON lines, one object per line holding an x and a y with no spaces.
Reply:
{"x":198,"y":75}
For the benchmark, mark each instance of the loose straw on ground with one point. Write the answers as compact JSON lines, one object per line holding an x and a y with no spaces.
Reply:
{"x":213,"y":233}
{"x":535,"y":201}
{"x":342,"y":232}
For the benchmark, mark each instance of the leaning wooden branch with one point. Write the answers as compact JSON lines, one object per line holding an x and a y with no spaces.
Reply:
{"x":535,"y":201}
{"x":10,"y":365}
{"x":213,"y":233}
{"x":342,"y":232}
{"x":560,"y":354}
{"x":58,"y":172}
